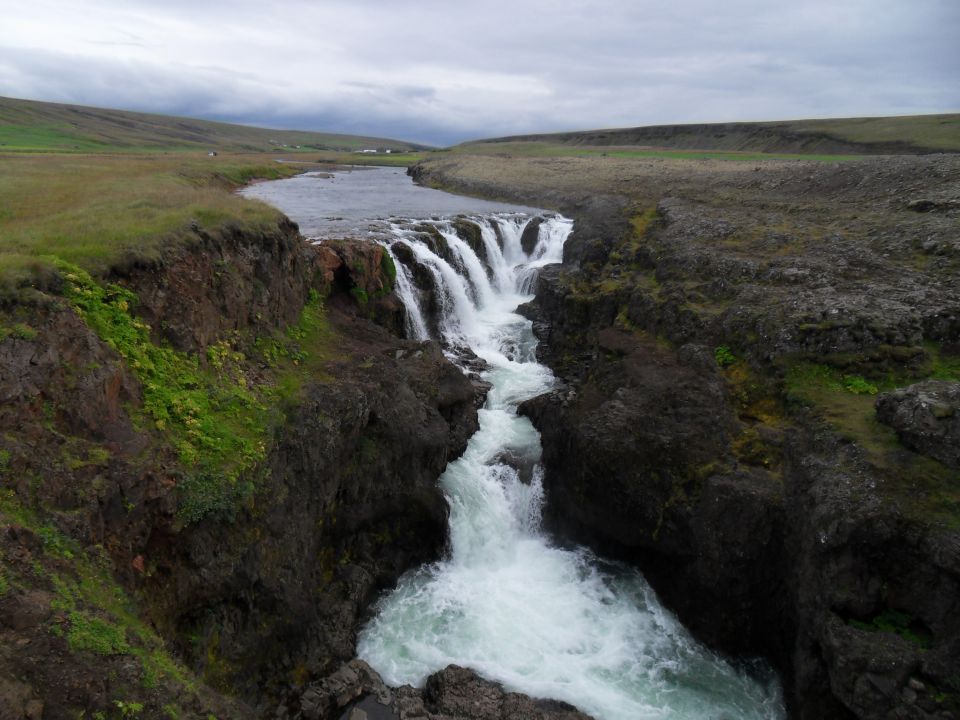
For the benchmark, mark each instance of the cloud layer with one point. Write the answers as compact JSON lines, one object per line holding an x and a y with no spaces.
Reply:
{"x":434,"y":71}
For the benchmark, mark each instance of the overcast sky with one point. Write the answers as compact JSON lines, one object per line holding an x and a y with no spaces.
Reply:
{"x":442,"y":71}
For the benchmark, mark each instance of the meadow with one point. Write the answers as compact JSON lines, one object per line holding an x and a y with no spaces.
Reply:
{"x":91,"y":210}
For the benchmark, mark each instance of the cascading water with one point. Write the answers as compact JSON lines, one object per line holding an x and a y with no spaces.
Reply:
{"x":542,"y":620}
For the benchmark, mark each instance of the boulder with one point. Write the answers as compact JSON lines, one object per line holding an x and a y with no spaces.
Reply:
{"x":531,"y":235}
{"x":926,"y":418}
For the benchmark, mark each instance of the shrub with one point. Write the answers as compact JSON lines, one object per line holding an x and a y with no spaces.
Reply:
{"x":858,"y":385}
{"x":724,"y":356}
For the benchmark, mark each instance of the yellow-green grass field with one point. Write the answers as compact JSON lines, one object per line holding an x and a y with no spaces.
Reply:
{"x":90,"y":210}
{"x":548,"y":149}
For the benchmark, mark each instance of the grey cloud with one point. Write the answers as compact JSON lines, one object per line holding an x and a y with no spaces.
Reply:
{"x":439,"y":71}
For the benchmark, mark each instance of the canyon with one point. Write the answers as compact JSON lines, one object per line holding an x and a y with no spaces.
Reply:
{"x":705,"y":327}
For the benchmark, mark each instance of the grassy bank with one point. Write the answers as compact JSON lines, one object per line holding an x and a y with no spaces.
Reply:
{"x":379,"y":159}
{"x":90,"y":210}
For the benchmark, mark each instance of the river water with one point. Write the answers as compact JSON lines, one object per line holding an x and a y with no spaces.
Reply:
{"x":507,"y":601}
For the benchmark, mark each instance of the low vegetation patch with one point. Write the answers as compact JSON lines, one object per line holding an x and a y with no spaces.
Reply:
{"x":921,"y":486}
{"x":216,"y":423}
{"x":92,"y":613}
{"x":94,"y":210}
{"x":898,"y":623}
{"x":845,"y":400}
{"x":724,"y":356}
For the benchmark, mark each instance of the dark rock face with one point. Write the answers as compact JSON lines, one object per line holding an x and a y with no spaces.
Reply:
{"x":926,"y":417}
{"x":673,"y":444}
{"x":875,"y":593}
{"x":531,"y":235}
{"x":230,"y":280}
{"x":353,"y":490}
{"x":345,"y":502}
{"x":470,"y":233}
{"x":355,"y":692}
{"x":638,"y":465}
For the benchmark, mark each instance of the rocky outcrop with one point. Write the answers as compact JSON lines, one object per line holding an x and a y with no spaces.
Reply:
{"x":352,"y":502}
{"x":712,"y":325}
{"x":356,"y":692}
{"x":530,"y":235}
{"x":639,"y":465}
{"x":257,"y":600}
{"x":232,"y":279}
{"x":926,"y":418}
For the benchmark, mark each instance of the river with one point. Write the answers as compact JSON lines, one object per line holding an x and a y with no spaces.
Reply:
{"x":507,"y":601}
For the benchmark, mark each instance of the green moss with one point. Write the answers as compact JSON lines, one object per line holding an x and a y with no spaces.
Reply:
{"x":858,"y":386}
{"x":216,"y":424}
{"x":389,"y":269}
{"x":21,"y":331}
{"x":898,"y":623}
{"x":56,"y":543}
{"x":805,"y":379}
{"x":836,"y":397}
{"x":128,"y":708}
{"x":94,"y":635}
{"x":360,"y":295}
{"x":642,"y":221}
{"x":920,"y":487}
{"x":96,"y":615}
{"x":96,"y":456}
{"x":941,"y":366}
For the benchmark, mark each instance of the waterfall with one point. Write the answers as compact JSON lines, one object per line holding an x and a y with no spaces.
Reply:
{"x":476,"y":273}
{"x":546,"y":621}
{"x":498,"y":265}
{"x":416,"y":326}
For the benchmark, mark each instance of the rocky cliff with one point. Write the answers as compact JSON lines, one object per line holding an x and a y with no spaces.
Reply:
{"x":722,"y":331}
{"x":211,"y":463}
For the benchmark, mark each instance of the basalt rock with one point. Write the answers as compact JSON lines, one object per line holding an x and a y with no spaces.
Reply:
{"x":638,"y":465}
{"x":926,"y":417}
{"x":252,"y":603}
{"x":531,"y":235}
{"x":356,"y":692}
{"x":687,"y":292}
{"x":232,"y":279}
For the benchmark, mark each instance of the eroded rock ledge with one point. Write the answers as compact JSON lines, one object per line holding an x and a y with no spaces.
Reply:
{"x":719,"y":329}
{"x":107,"y":587}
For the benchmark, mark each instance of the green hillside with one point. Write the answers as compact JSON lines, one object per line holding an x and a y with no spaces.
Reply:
{"x":30,"y":126}
{"x":914,"y":134}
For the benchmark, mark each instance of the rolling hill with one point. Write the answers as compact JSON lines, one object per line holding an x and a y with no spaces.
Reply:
{"x":28,"y":125}
{"x":907,"y":135}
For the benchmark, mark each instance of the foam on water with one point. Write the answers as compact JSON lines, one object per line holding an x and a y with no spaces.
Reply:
{"x":542,"y":620}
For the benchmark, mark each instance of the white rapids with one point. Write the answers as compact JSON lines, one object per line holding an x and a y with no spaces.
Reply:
{"x":506,"y":602}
